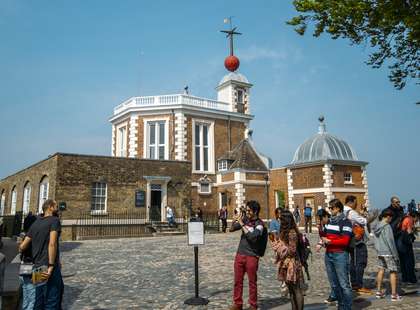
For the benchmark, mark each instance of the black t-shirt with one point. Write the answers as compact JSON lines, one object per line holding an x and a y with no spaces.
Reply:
{"x":40,"y":235}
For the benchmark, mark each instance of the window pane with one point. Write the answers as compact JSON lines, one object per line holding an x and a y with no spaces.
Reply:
{"x":152,"y":137}
{"x":197,"y":158}
{"x":197,"y":134}
{"x":205,"y":135}
{"x":161,"y":152}
{"x":206,"y":158}
{"x":161,"y":133}
{"x":152,"y":152}
{"x":205,"y":188}
{"x":240,"y":96}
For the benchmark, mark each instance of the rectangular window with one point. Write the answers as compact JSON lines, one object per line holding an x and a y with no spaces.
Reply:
{"x":201,"y":147}
{"x":98,"y":201}
{"x":222,"y":165}
{"x":348,"y":179}
{"x":156,"y":140}
{"x":240,"y":101}
{"x":122,"y":142}
{"x":204,"y":188}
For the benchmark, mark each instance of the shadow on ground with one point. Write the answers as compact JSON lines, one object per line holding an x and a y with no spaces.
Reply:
{"x":72,"y":291}
{"x":69,"y":246}
{"x":270,"y":303}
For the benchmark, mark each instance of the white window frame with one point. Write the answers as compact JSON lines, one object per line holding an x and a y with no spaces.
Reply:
{"x":121,"y":142}
{"x":2,"y":203}
{"x":210,"y":141}
{"x":348,"y":180}
{"x":13,"y":201}
{"x":26,"y":198}
{"x":146,"y":143}
{"x":44,"y":188}
{"x":222,"y":165}
{"x":100,"y":196}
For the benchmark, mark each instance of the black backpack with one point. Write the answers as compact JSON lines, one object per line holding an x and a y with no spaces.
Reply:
{"x":261,"y":244}
{"x":304,"y":251}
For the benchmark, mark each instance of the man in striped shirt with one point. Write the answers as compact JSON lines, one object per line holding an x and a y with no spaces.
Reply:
{"x":338,"y":233}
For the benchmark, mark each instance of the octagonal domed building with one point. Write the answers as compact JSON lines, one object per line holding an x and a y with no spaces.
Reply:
{"x":325,"y":167}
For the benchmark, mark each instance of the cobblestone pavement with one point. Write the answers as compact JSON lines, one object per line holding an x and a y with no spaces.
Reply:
{"x":157,"y":273}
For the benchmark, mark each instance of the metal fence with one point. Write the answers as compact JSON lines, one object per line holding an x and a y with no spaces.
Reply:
{"x":125,"y":224}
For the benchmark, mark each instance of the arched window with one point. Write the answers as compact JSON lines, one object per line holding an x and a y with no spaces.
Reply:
{"x":13,"y":205}
{"x":26,"y":197}
{"x":43,"y":192}
{"x":2,"y":203}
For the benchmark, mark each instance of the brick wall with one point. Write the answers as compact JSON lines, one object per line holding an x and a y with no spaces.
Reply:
{"x":307,"y":177}
{"x":342,"y":197}
{"x":76,"y":173}
{"x":278,"y":182}
{"x":319,"y":201}
{"x":338,"y":176}
{"x":33,"y":175}
{"x":257,"y":192}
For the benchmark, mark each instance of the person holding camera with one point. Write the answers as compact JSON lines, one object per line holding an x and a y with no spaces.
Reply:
{"x":251,"y":248}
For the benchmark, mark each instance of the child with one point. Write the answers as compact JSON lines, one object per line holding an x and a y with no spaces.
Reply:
{"x":387,"y":255}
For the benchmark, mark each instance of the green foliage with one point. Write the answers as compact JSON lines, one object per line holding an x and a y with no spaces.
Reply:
{"x":391,"y":27}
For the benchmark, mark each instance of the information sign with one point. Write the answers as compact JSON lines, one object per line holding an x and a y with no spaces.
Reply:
{"x":140,"y":195}
{"x":195,"y":233}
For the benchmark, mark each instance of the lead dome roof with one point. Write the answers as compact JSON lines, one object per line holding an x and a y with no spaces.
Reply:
{"x":323,"y":147}
{"x":234,"y":76}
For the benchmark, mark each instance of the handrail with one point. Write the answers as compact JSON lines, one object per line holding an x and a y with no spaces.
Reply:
{"x":163,"y":100}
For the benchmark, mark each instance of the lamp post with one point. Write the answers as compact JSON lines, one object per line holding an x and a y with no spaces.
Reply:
{"x":266,"y":196}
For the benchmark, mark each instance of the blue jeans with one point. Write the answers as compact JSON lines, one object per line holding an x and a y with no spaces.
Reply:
{"x":48,"y":296}
{"x":337,"y":266}
{"x":28,"y":292}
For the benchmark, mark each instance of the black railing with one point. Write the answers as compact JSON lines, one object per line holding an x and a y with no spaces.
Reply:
{"x":12,"y":224}
{"x":125,"y":224}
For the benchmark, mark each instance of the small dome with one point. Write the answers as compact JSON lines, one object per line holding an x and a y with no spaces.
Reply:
{"x":323,"y":146}
{"x":234,"y":76}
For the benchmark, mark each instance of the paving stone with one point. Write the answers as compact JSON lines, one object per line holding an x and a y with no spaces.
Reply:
{"x":158,"y":273}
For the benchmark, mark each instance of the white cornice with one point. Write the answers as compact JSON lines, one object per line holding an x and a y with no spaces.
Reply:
{"x":332,"y":189}
{"x":196,"y":111}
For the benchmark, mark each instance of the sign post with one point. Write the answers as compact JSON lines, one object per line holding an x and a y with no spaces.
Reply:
{"x":196,"y":238}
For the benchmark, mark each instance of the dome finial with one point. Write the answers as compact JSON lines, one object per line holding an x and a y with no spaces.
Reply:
{"x":321,"y":128}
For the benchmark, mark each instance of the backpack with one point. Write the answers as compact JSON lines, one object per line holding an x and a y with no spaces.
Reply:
{"x":304,"y":250}
{"x":261,"y":244}
{"x":358,"y":232}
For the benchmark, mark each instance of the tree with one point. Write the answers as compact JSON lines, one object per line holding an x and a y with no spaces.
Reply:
{"x":391,"y":27}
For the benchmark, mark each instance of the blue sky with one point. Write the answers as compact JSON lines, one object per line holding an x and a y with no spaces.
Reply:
{"x":64,"y":65}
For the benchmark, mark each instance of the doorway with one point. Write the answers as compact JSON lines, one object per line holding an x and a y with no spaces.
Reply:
{"x":156,"y":203}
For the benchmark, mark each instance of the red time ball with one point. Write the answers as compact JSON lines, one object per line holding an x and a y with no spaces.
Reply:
{"x":232,"y":63}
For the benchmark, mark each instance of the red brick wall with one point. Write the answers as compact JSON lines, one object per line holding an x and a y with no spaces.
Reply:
{"x":308,"y":177}
{"x":278,"y":182}
{"x":338,"y":176}
{"x":359,"y":196}
{"x":299,"y":200}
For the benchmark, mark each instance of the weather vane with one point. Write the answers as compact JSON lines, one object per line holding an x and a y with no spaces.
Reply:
{"x":231,"y":62}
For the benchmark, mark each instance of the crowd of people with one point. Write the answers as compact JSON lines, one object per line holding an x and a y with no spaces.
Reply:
{"x":344,"y":231}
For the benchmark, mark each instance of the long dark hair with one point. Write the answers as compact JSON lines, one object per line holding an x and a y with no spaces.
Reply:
{"x":287,"y":223}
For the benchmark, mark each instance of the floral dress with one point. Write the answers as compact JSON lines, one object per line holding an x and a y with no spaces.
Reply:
{"x":286,"y":257}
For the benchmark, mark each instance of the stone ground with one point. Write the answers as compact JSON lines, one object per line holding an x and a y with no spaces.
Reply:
{"x":157,"y":273}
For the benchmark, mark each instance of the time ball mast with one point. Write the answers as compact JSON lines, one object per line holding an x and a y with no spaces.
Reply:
{"x":231,"y":62}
